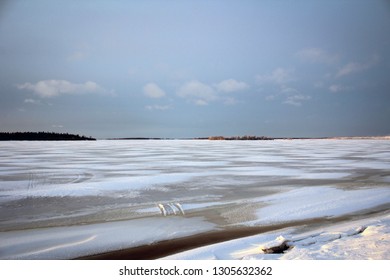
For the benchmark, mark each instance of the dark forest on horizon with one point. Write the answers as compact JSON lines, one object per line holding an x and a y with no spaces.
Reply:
{"x":42,"y":136}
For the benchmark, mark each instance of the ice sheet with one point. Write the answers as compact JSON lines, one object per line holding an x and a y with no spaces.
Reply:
{"x":84,"y":240}
{"x":307,"y":203}
{"x":53,"y":184}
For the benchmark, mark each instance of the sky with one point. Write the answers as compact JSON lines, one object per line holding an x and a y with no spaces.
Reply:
{"x":197,"y":68}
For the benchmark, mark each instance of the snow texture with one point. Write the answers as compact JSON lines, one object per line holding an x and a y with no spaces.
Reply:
{"x":358,"y":240}
{"x":66,"y":199}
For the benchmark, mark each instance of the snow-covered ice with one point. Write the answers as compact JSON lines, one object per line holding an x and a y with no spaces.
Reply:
{"x":72,"y":194}
{"x":309,"y":202}
{"x":83,"y":240}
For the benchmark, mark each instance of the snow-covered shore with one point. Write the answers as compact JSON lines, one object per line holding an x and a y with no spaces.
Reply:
{"x":363,"y":239}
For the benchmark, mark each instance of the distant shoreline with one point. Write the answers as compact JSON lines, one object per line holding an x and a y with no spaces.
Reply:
{"x":54,"y":136}
{"x":258,"y":138}
{"x":42,"y":136}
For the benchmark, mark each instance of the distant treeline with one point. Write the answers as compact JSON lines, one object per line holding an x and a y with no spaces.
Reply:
{"x":41,"y":136}
{"x":246,"y":137}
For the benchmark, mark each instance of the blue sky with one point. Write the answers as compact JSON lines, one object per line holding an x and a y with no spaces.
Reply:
{"x":196,"y":68}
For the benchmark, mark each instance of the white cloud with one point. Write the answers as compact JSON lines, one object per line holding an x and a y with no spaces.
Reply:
{"x":337,"y":88}
{"x":57,"y":126}
{"x":153,"y":91}
{"x":201,"y":102}
{"x":32,"y":101}
{"x":197,"y":92}
{"x":355,"y":67}
{"x":279,"y":76}
{"x":349,"y":69}
{"x":231,"y":85}
{"x":203,"y":94}
{"x":52,"y":88}
{"x":291,"y":96}
{"x":158,"y":107}
{"x":289,"y":90}
{"x":297,"y":99}
{"x":294,"y":97}
{"x":317,"y":55}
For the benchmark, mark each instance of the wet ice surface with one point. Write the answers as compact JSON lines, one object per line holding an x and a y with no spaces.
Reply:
{"x":76,"y":187}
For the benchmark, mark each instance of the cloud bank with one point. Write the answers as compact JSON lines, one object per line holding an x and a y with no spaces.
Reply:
{"x":203,"y":94}
{"x":355,"y":67}
{"x":53,"y":88}
{"x":297,"y":99}
{"x":279,"y":76}
{"x":280,"y":80}
{"x":197,"y":92}
{"x":231,"y":85}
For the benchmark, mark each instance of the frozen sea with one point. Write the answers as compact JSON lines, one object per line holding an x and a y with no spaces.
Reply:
{"x":61,"y":200}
